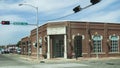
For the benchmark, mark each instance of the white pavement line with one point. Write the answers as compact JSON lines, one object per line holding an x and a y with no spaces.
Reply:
{"x":62,"y":65}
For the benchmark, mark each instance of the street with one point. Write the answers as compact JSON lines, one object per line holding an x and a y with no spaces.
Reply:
{"x":12,"y":61}
{"x":9,"y":61}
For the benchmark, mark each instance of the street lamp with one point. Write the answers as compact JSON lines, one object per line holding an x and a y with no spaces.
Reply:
{"x":37,"y":23}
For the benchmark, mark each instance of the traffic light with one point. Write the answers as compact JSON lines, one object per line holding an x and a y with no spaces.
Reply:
{"x":77,"y":9}
{"x":94,"y":1}
{"x":5,"y":22}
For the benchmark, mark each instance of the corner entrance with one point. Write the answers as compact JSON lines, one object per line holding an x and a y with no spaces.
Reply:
{"x":57,"y":46}
{"x":78,"y":46}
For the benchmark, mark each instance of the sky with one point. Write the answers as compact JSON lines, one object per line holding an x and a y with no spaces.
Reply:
{"x":107,"y":11}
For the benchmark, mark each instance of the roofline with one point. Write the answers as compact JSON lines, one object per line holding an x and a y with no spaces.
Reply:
{"x":75,"y":21}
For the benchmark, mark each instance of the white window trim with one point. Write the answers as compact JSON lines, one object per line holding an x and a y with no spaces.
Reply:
{"x":34,"y":44}
{"x":83,"y":36}
{"x":114,"y":52}
{"x":73,"y":36}
{"x":45,"y":37}
{"x":40,"y":40}
{"x":100,"y":35}
{"x":112,"y":35}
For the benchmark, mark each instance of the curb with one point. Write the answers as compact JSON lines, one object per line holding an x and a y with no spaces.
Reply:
{"x":61,"y":60}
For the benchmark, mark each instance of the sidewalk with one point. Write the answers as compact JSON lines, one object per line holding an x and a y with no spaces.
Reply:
{"x":33,"y":59}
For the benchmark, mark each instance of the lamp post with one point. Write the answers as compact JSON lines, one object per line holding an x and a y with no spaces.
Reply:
{"x":37,"y":23}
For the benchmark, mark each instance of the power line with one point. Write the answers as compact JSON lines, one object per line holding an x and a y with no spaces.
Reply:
{"x":68,"y":14}
{"x":59,"y":17}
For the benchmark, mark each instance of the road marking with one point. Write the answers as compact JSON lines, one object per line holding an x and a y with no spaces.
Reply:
{"x":61,"y":65}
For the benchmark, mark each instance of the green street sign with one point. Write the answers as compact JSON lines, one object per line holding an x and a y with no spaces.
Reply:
{"x":20,"y":23}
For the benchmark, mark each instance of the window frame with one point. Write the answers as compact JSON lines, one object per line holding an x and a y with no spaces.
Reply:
{"x":111,"y":51}
{"x":101,"y":38}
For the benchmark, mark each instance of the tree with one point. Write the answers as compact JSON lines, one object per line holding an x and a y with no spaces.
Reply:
{"x":18,"y":43}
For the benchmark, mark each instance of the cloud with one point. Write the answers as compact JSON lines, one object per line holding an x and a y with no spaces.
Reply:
{"x":12,"y":18}
{"x":13,"y":34}
{"x":104,"y":17}
{"x":101,"y":12}
{"x":98,"y":11}
{"x":105,"y":11}
{"x":46,"y":5}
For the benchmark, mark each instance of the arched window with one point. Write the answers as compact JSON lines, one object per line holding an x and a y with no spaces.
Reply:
{"x":97,"y":43}
{"x":35,"y":44}
{"x":114,"y":39}
{"x":40,"y":41}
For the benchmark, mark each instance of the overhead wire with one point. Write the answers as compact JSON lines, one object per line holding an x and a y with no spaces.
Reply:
{"x":67,"y":14}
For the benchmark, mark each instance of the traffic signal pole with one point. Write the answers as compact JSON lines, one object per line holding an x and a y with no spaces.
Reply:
{"x":37,"y":26}
{"x":37,"y":32}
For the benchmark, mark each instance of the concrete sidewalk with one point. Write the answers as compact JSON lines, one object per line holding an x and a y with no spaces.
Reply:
{"x":33,"y":59}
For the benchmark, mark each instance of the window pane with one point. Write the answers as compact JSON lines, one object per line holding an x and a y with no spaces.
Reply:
{"x":114,"y":44}
{"x":97,"y":43}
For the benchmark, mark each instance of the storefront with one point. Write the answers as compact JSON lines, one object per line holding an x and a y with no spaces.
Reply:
{"x":71,"y":39}
{"x":57,"y":41}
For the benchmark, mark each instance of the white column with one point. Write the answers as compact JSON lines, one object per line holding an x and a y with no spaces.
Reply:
{"x":65,"y":47}
{"x":40,"y":51}
{"x":48,"y":47}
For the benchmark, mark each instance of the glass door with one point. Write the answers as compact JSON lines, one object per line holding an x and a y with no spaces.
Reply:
{"x":58,"y":46}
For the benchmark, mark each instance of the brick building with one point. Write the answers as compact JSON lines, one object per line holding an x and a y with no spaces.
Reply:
{"x":69,"y":39}
{"x":42,"y":42}
{"x":25,"y":46}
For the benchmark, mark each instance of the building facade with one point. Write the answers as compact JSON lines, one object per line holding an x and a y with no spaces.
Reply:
{"x":25,"y":46}
{"x":70,"y":39}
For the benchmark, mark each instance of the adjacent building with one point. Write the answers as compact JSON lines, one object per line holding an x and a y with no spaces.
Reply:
{"x":25,"y":46}
{"x":70,"y":39}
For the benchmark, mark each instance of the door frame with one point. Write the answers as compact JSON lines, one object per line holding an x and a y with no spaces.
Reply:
{"x":78,"y":46}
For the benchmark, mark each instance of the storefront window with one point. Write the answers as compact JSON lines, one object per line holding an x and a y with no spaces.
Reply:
{"x":114,"y":39}
{"x":97,"y":43}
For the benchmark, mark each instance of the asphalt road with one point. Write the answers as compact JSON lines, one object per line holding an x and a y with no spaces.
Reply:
{"x":109,"y":63}
{"x":11,"y":61}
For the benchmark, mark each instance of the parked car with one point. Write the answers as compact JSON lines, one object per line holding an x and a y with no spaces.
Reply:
{"x":2,"y":51}
{"x":6,"y":51}
{"x":19,"y":51}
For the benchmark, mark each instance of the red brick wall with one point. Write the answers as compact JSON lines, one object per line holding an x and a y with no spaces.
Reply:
{"x":73,"y":28}
{"x":24,"y":45}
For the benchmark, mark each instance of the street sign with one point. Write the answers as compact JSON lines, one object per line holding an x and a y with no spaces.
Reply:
{"x":20,"y":23}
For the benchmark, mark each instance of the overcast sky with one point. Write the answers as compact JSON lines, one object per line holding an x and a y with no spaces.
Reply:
{"x":106,"y":11}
